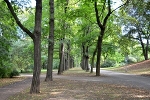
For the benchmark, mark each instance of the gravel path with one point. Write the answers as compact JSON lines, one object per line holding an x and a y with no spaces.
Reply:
{"x":107,"y":77}
{"x":9,"y":90}
{"x":111,"y":77}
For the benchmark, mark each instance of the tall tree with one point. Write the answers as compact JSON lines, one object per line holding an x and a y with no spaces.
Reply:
{"x":102,"y":20}
{"x":7,"y":35}
{"x":62,"y":63}
{"x":36,"y":37}
{"x":50,"y":42}
{"x":138,"y":24}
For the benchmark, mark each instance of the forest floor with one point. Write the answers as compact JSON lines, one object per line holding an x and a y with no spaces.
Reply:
{"x":70,"y":89}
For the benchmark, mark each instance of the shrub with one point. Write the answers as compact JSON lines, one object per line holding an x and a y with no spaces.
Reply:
{"x":4,"y":72}
{"x":108,"y":63}
{"x":14,"y":73}
{"x":130,"y":60}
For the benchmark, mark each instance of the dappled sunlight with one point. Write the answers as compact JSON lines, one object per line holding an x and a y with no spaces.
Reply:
{"x":141,"y":96}
{"x":55,"y":93}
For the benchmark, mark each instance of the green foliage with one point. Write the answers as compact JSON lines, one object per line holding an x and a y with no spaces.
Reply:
{"x":55,"y":63}
{"x":108,"y":63}
{"x":5,"y":71}
{"x":130,"y":60}
{"x":22,"y":54}
{"x":14,"y":73}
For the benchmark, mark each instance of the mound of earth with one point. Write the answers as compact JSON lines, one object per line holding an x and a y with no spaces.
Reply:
{"x":142,"y":68}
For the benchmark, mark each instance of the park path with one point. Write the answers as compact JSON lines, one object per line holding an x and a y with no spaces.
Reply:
{"x":107,"y":77}
{"x":9,"y":90}
{"x":112,"y":77}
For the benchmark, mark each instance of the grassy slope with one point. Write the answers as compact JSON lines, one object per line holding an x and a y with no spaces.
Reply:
{"x":140,"y":68}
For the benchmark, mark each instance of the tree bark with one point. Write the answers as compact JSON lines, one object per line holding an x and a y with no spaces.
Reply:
{"x":87,"y":59}
{"x":93,"y":57}
{"x":146,"y":48}
{"x":49,"y":76}
{"x":61,"y":57}
{"x":35,"y":86}
{"x":99,"y":50}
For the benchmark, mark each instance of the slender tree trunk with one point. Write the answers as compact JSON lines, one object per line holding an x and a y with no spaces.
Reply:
{"x":93,"y":57}
{"x":62,"y":63}
{"x":83,"y":58}
{"x":146,"y":48}
{"x":99,"y":49}
{"x":61,"y":57}
{"x":87,"y":59}
{"x":49,"y":76}
{"x":68,"y":55}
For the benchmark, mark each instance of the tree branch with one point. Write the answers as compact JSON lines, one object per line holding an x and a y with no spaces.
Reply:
{"x":120,"y":6}
{"x":110,"y":12}
{"x":97,"y":16}
{"x":17,"y":19}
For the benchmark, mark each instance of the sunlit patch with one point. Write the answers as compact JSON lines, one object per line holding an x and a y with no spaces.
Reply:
{"x":141,"y":96}
{"x":55,"y":93}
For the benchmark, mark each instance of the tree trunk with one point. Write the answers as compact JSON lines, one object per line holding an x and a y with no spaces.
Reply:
{"x":61,"y":57}
{"x":49,"y":76}
{"x":68,"y":55}
{"x":87,"y":59}
{"x":68,"y":58}
{"x":93,"y":57}
{"x":83,"y":58}
{"x":35,"y":86}
{"x":99,"y":51}
{"x":146,"y":50}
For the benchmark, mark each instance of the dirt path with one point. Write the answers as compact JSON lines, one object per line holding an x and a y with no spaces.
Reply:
{"x":108,"y":77}
{"x":14,"y":88}
{"x":112,"y":77}
{"x":9,"y":90}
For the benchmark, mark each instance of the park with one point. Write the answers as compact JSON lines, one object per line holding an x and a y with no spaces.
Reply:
{"x":74,"y":49}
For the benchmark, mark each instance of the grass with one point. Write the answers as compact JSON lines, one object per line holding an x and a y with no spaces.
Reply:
{"x":63,"y":89}
{"x":140,"y":68}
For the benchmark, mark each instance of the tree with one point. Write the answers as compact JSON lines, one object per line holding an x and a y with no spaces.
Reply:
{"x":102,"y":19}
{"x":22,"y":55}
{"x":36,"y":37}
{"x":50,"y":42}
{"x":7,"y":35}
{"x":64,"y":26}
{"x":138,"y":25}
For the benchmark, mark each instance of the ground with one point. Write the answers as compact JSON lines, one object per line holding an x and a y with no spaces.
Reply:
{"x":70,"y":89}
{"x":140,"y":68}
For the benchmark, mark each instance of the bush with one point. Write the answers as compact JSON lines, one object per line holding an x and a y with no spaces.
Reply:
{"x":130,"y":60}
{"x":108,"y":63}
{"x":4,"y":72}
{"x":14,"y":73}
